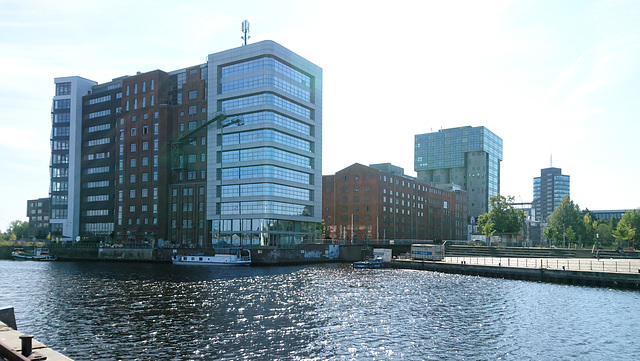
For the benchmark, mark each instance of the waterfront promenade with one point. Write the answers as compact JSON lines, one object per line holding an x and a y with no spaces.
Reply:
{"x":568,"y":264}
{"x":614,"y":273}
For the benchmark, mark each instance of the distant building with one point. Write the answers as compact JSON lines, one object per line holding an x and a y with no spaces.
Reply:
{"x":38,"y":214}
{"x":548,"y":190}
{"x":607,"y":215}
{"x":379,"y":202}
{"x":467,"y":156}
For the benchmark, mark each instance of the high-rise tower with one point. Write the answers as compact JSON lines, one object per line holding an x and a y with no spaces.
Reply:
{"x":548,"y":190}
{"x":467,"y":156}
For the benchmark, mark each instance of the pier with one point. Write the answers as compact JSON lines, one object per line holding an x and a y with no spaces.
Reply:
{"x":618,"y":273}
{"x":16,"y":346}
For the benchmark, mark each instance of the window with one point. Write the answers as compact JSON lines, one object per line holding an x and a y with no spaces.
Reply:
{"x":193,"y":94}
{"x":145,"y":129}
{"x":193,"y":109}
{"x":133,"y":147}
{"x":132,"y":162}
{"x":63,"y":89}
{"x":133,"y":132}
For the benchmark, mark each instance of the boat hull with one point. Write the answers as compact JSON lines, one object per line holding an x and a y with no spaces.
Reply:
{"x":217,"y":260}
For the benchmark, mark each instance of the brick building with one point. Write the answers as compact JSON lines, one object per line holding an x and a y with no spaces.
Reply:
{"x":38,"y":214}
{"x":379,"y":202}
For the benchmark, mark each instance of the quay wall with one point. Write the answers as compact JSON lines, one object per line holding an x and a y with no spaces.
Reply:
{"x":586,"y":278}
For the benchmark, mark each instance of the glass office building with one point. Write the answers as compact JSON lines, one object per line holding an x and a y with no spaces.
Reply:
{"x":264,"y":168}
{"x":466,"y":156}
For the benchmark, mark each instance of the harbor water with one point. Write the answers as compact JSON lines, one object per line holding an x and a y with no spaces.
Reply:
{"x":128,"y":311}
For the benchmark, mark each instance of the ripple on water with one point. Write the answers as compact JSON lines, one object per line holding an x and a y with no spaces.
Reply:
{"x":148,"y":312}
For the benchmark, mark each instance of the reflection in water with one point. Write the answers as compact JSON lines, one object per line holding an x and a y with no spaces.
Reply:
{"x":111,"y":311}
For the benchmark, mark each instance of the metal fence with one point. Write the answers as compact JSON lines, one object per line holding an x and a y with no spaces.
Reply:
{"x":569,"y":264}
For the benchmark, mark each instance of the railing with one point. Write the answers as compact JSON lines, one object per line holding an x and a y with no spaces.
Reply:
{"x":567,"y":264}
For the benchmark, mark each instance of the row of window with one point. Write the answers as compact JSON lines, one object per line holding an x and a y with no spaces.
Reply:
{"x":61,"y":131}
{"x":275,"y":118}
{"x":266,"y":171}
{"x":101,"y":155}
{"x":266,"y":135}
{"x":266,"y":207}
{"x":100,"y":141}
{"x":266,"y":80}
{"x":265,"y":99}
{"x":266,"y":153}
{"x":144,"y":87}
{"x":98,"y":198}
{"x":99,"y":127}
{"x":144,"y":193}
{"x":99,"y":100}
{"x":266,"y":189}
{"x":98,"y":114}
{"x":99,"y":227}
{"x":265,"y":63}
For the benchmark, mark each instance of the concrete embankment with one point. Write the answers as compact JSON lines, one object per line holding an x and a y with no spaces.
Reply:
{"x":587,"y":278}
{"x":16,"y":346}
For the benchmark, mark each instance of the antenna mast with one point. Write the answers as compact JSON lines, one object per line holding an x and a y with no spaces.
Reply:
{"x":245,"y":31}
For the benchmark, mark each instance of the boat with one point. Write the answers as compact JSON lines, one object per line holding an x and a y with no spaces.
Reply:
{"x":240,"y":257}
{"x":38,"y":254}
{"x":376,"y":262}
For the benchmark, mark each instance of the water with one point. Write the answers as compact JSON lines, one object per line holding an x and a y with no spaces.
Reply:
{"x":111,"y":311}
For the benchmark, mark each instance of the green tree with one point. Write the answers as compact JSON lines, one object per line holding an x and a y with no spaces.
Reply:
{"x":604,"y":236}
{"x":623,"y":232}
{"x":633,"y":219}
{"x":502,"y":217}
{"x":590,"y":227}
{"x":19,"y":228}
{"x":566,"y":216}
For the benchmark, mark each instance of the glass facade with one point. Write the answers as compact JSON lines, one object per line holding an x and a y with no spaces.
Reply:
{"x":264,"y":168}
{"x":548,"y":190}
{"x":468,"y":156}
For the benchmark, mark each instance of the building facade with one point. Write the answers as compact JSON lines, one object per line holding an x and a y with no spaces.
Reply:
{"x":147,"y":157}
{"x":100,"y":110}
{"x":66,"y":159}
{"x":548,"y":190}
{"x":264,"y":163}
{"x":467,"y":156}
{"x":38,"y":214}
{"x":379,"y":202}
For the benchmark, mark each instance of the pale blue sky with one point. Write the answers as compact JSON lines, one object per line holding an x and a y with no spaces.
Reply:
{"x":559,"y":77}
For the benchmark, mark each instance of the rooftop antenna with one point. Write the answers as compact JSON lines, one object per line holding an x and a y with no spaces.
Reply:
{"x":551,"y":160}
{"x":245,"y":31}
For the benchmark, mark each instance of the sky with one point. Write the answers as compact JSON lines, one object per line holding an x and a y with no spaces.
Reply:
{"x":558,"y":81}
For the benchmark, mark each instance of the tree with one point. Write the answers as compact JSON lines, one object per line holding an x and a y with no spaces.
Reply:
{"x":566,"y":216}
{"x":633,"y":219}
{"x":18,"y":228}
{"x":590,"y":227}
{"x":623,"y":232}
{"x":604,"y":236}
{"x":502,"y":217}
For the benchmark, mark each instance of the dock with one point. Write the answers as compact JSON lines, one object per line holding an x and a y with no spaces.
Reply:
{"x":16,"y":346}
{"x":624,"y":274}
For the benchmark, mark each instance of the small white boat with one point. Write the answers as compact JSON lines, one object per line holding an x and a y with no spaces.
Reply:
{"x":39,"y":254}
{"x":239,"y":257}
{"x":376,"y":262}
